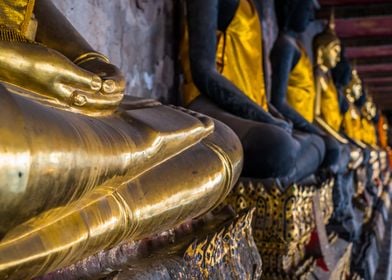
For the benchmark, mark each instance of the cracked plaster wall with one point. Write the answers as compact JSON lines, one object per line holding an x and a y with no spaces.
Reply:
{"x":137,"y":35}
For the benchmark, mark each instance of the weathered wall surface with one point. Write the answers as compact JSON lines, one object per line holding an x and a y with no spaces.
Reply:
{"x":137,"y":35}
{"x":141,"y":37}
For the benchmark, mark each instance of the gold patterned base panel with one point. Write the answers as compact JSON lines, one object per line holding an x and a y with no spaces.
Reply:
{"x":284,"y":222}
{"x":208,"y":258}
{"x":326,"y":199}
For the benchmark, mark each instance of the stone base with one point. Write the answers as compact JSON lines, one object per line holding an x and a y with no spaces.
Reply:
{"x":341,"y":269}
{"x":215,"y":247}
{"x":372,"y":244}
{"x":284,"y":222}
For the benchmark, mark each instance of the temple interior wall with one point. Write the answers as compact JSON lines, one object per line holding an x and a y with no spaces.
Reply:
{"x":141,"y":37}
{"x":136,"y":35}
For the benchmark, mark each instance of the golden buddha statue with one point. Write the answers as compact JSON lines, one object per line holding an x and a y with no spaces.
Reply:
{"x":327,"y":49}
{"x":352,"y":118}
{"x":382,"y":132}
{"x":369,"y":111}
{"x":84,"y":167}
{"x":383,"y":127}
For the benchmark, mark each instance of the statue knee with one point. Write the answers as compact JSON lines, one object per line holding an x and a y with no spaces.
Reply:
{"x":319,"y":146}
{"x":337,"y":155}
{"x":269,"y":154}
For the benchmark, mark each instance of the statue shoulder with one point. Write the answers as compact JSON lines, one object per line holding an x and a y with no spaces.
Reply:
{"x":285,"y":47}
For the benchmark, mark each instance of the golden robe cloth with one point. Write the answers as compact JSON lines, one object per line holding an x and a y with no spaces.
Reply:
{"x":352,"y":123}
{"x":301,"y":92}
{"x":16,"y":20}
{"x":330,"y":109}
{"x":368,"y":132}
{"x":238,"y":56}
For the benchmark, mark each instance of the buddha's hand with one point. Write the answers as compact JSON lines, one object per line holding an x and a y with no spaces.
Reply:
{"x":287,"y":126}
{"x":49,"y":73}
{"x":113,"y":79}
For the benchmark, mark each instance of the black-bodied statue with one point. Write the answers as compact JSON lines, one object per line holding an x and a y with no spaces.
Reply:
{"x":294,"y":95}
{"x":222,"y":61}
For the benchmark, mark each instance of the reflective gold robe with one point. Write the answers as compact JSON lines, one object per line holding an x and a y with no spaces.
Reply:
{"x":330,"y":109}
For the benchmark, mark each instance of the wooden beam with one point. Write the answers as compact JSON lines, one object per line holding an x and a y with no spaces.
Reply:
{"x":357,"y":11}
{"x":383,"y":100}
{"x":387,"y":80}
{"x":368,"y":42}
{"x":366,"y":75}
{"x":349,"y":2}
{"x":380,"y":90}
{"x":369,"y":51}
{"x":373,"y":60}
{"x":364,"y":27}
{"x":377,"y":85}
{"x":374,"y":68}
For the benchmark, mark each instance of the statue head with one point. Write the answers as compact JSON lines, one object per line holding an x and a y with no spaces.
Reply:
{"x":353,"y":90}
{"x":327,"y":46}
{"x":295,"y":15}
{"x":369,"y":109}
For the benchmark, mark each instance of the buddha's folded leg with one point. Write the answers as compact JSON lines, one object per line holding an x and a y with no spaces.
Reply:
{"x":50,"y":157}
{"x":269,"y":152}
{"x":183,"y":187}
{"x":311,"y":154}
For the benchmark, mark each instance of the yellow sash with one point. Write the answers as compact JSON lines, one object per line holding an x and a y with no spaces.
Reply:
{"x":352,"y":123}
{"x":301,"y":92}
{"x":368,"y":132}
{"x":238,"y":56}
{"x":330,"y":109}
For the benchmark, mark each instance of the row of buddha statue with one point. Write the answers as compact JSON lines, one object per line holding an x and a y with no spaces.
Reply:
{"x":86,"y":167}
{"x":304,"y":127}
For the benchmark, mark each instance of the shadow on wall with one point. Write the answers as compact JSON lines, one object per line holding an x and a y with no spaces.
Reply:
{"x":137,"y":35}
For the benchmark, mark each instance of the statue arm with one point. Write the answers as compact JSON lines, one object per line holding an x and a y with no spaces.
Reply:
{"x":274,"y":112}
{"x":202,"y":26}
{"x":354,"y":141}
{"x":57,"y":33}
{"x":318,"y":119}
{"x":283,"y":56}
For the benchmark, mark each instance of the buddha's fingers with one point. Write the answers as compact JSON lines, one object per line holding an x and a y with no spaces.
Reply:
{"x":96,"y":100}
{"x":82,"y":79}
{"x":113,"y":85}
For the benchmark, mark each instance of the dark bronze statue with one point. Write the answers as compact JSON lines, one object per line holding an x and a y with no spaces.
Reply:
{"x":222,"y":62}
{"x":295,"y":95}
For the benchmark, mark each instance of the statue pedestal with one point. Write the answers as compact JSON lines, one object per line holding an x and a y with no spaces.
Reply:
{"x":284,"y":222}
{"x":341,"y":268}
{"x":213,"y":247}
{"x":373,"y":249}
